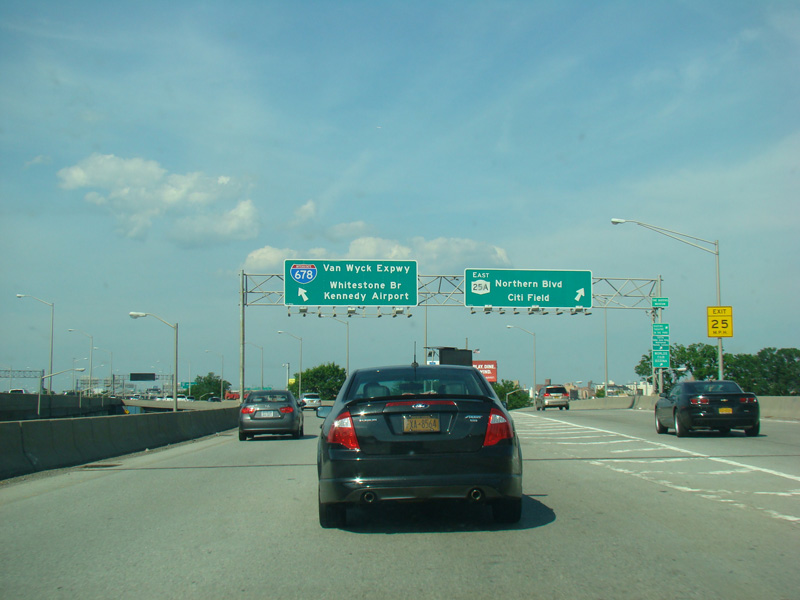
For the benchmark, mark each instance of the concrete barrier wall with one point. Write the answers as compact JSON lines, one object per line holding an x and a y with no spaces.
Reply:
{"x":30,"y":446}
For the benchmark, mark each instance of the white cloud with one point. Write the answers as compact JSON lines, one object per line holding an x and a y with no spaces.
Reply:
{"x":452,"y":255}
{"x":38,"y":160}
{"x":267,"y":260}
{"x":344,"y":231}
{"x":241,"y":222}
{"x":139,"y":192}
{"x":305,"y":213}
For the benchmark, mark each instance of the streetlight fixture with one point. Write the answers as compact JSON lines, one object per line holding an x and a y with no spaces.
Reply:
{"x":91,"y":356}
{"x":685,"y":238}
{"x":347,"y":346}
{"x":52,"y":320}
{"x":110,"y":368}
{"x":300,"y":377}
{"x":222,"y":377}
{"x":41,"y":385}
{"x":262,"y":362}
{"x":288,"y":367}
{"x":534,"y":351}
{"x":139,"y":315}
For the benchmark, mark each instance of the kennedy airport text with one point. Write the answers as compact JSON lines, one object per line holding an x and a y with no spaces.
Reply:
{"x":363,"y":291}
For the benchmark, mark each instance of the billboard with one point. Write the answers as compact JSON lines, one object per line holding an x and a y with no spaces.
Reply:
{"x":488,"y":368}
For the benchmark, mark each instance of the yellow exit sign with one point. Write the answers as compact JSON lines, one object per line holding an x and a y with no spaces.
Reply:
{"x":720,"y":321}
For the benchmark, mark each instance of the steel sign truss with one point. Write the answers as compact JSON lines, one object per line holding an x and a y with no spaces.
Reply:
{"x":448,"y":290}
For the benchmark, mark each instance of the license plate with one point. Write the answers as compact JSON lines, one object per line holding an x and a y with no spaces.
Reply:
{"x":267,"y":414}
{"x":420,"y":424}
{"x":725,"y":411}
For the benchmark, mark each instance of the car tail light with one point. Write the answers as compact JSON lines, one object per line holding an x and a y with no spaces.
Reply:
{"x":343,"y":432}
{"x":748,"y":400}
{"x":498,"y":429}
{"x":286,"y":409}
{"x":697,"y":400}
{"x":248,"y":410}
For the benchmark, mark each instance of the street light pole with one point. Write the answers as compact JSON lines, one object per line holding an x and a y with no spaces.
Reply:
{"x":347,"y":342}
{"x":52,"y":322}
{"x":110,"y":368}
{"x":300,"y":377}
{"x":41,"y":385}
{"x":91,"y":356}
{"x":685,"y":238}
{"x":534,"y":352}
{"x":139,"y":315}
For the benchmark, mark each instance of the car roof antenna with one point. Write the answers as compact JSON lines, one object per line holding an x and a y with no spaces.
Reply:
{"x":415,"y":364}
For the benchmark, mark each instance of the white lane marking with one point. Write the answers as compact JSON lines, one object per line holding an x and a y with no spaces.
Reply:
{"x":724,"y":461}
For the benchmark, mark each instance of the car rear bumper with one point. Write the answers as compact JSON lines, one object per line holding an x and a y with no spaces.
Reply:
{"x":556,"y":402}
{"x":712,"y":420}
{"x":345,"y":476}
{"x":458,"y":487}
{"x":259,"y":426}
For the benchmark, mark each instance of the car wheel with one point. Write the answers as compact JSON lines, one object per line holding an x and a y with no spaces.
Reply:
{"x":724,"y":430}
{"x":567,"y":407}
{"x":507,"y":510}
{"x":332,"y":515}
{"x":680,"y":430}
{"x":659,"y":427}
{"x":242,"y":436}
{"x":560,"y":408}
{"x":544,"y":407}
{"x":298,"y":434}
{"x":754,"y":430}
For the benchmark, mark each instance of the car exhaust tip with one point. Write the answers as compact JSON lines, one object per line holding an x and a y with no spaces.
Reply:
{"x":368,"y":497}
{"x":475,"y":494}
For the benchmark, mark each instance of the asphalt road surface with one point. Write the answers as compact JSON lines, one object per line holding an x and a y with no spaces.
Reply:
{"x":612,"y":510}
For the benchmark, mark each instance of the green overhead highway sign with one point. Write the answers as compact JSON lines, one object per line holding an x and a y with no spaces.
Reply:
{"x":350,"y":282}
{"x":527,"y":288}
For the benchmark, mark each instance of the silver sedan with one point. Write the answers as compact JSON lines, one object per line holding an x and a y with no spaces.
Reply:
{"x":273,"y":411}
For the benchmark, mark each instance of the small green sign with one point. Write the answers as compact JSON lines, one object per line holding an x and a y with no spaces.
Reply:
{"x":660,"y":359}
{"x":659,"y":302}
{"x":660,"y":328}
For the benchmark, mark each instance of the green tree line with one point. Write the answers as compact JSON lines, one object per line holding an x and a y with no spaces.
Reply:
{"x":770,"y":372}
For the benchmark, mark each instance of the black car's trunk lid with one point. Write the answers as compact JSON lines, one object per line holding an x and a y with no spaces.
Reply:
{"x":422,"y":424}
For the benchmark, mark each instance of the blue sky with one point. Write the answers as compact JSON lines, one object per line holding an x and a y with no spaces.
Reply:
{"x":151,"y":151}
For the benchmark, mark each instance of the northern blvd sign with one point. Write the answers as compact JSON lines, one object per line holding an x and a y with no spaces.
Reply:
{"x":350,"y":283}
{"x":527,"y":288}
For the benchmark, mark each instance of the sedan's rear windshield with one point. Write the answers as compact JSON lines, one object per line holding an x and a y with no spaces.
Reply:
{"x":253,"y":398}
{"x":410,"y":381}
{"x":711,"y":387}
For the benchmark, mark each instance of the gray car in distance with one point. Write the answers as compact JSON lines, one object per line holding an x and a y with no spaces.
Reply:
{"x":272,"y":411}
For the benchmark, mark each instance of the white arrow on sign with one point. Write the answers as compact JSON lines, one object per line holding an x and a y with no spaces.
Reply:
{"x":581,"y":293}
{"x":302,"y":293}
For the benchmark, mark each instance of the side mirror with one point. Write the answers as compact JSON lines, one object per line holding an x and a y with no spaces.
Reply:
{"x":324,"y":411}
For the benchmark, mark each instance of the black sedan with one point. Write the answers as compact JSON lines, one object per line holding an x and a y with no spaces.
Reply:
{"x":413,"y":432}
{"x":273,"y":411}
{"x":720,"y":405}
